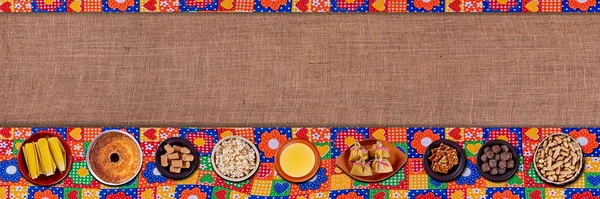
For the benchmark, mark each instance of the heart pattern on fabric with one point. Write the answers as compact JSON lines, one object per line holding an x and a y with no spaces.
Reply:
{"x":533,"y":6}
{"x":5,"y":7}
{"x":5,"y":132}
{"x":593,"y":180}
{"x":357,"y":183}
{"x":474,"y":148}
{"x":73,"y":194}
{"x":150,"y":133}
{"x":147,"y":194}
{"x":379,"y":133}
{"x":533,"y":133}
{"x":455,"y":5}
{"x":302,"y":133}
{"x":323,"y":150}
{"x":380,"y":195}
{"x":221,"y":194}
{"x":455,"y":132}
{"x":515,"y":180}
{"x":75,"y":6}
{"x":207,"y":179}
{"x":281,"y":187}
{"x":436,"y":183}
{"x":76,"y":132}
{"x":457,"y":195}
{"x":150,"y":5}
{"x":537,"y":194}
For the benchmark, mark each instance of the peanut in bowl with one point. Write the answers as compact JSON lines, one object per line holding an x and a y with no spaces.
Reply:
{"x":558,"y":159}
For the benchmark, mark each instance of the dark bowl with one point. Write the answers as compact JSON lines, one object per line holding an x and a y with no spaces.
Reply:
{"x":43,"y":180}
{"x":179,"y":142}
{"x":454,"y":171}
{"x":509,"y":172}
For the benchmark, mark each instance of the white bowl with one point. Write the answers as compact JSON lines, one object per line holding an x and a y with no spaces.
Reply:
{"x":87,"y":159}
{"x":257,"y":155}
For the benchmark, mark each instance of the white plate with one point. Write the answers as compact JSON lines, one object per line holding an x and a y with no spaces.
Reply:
{"x":87,"y":159}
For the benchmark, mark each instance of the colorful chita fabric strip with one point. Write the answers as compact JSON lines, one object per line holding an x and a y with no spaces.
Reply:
{"x":299,"y":6}
{"x":329,"y":182}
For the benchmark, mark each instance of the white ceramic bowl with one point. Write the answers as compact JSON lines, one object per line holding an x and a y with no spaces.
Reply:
{"x":257,"y":155}
{"x":87,"y":159}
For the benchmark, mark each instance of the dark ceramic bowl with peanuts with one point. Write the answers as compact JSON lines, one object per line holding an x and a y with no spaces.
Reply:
{"x":184,"y":172}
{"x":454,"y":171}
{"x":498,"y":148}
{"x":546,"y":154}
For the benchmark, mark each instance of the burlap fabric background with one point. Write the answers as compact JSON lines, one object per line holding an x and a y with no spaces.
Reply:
{"x":299,"y":69}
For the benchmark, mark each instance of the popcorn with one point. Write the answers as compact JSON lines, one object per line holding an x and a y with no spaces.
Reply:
{"x":235,"y":158}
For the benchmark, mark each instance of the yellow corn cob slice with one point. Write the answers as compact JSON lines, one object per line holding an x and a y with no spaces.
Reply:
{"x":24,"y":149}
{"x":50,"y":154}
{"x":46,"y":162}
{"x":53,"y":164}
{"x":40,"y":161}
{"x":37,"y":159}
{"x":58,"y":153}
{"x":31,"y":160}
{"x":27,"y":161}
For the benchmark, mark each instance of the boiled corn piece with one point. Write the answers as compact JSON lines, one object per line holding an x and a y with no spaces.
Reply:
{"x":46,"y":162}
{"x":31,"y":160}
{"x":58,"y":153}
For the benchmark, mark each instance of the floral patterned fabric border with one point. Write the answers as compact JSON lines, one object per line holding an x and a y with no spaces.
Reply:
{"x":330,"y":182}
{"x":299,"y":6}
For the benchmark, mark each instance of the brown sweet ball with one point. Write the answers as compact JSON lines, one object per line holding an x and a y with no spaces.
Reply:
{"x":505,"y":156}
{"x":496,"y":149}
{"x":486,"y":149}
{"x":484,"y":158}
{"x":502,"y":164}
{"x":489,"y":154}
{"x":510,"y":164}
{"x":494,"y":171}
{"x":492,"y":163}
{"x":485,"y":167}
{"x":501,"y":171}
{"x":497,"y":157}
{"x":504,"y":148}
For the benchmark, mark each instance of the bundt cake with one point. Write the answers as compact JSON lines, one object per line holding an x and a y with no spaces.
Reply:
{"x":114,"y":158}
